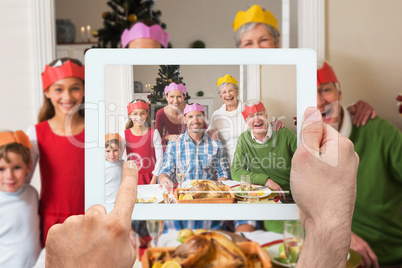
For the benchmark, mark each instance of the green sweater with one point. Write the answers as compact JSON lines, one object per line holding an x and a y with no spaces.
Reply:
{"x":260,"y":161}
{"x":378,"y":211}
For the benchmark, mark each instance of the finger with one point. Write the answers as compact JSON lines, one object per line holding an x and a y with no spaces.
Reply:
{"x":312,"y":130}
{"x":360,"y":112}
{"x":365,"y":257}
{"x":352,"y":109}
{"x":373,"y":114}
{"x":96,"y":210}
{"x":127,"y":193}
{"x":372,"y":257}
{"x":282,"y":193}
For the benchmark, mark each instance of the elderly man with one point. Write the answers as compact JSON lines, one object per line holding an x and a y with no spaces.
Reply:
{"x":377,"y":219}
{"x":195,"y":152}
{"x":262,"y":154}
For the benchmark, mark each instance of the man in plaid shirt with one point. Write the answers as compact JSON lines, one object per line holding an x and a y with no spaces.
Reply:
{"x":201,"y":158}
{"x":196,"y":154}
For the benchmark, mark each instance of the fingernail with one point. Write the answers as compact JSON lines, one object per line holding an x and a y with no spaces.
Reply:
{"x":131,"y":164}
{"x":312,"y":114}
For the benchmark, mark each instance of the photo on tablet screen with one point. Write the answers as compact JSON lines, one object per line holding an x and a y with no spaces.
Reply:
{"x":119,"y":82}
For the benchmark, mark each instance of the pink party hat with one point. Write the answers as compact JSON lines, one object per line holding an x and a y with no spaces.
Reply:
{"x":193,"y":107}
{"x":174,"y":86}
{"x":140,"y":30}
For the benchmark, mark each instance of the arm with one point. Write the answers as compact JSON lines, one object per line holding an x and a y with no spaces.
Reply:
{"x":362,"y":112}
{"x":245,"y":226}
{"x":124,"y":151}
{"x":211,"y":130}
{"x":159,"y":122}
{"x":241,"y":162}
{"x":223,"y":167}
{"x":158,"y":153}
{"x":84,"y":240}
{"x":325,"y":164}
{"x":169,"y":164}
{"x":31,"y":133}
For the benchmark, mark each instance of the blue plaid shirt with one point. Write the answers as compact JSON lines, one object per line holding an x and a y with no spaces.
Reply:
{"x":208,"y":225}
{"x":205,"y":160}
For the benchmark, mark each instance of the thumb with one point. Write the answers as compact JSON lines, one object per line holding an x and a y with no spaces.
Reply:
{"x":312,"y":131}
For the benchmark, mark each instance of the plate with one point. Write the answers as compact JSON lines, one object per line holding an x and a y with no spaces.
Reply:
{"x":170,"y":239}
{"x":273,"y":251}
{"x":148,"y":197}
{"x":267,"y":191}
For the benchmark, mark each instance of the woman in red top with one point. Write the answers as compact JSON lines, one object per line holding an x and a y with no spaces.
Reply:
{"x":58,"y":141}
{"x":143,"y":143}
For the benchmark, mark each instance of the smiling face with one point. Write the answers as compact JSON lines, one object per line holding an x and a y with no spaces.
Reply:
{"x":195,"y":121}
{"x":175,"y":98}
{"x":144,"y":43}
{"x":12,"y":174}
{"x":258,"y":122}
{"x":112,"y":152}
{"x":258,"y":37}
{"x":65,"y":94}
{"x":229,"y":94}
{"x":328,"y":97}
{"x":139,"y":117}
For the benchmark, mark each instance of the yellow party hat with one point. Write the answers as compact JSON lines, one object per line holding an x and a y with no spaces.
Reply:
{"x":226,"y":79}
{"x":255,"y":14}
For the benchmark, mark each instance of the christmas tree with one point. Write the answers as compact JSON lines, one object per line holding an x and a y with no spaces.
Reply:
{"x":124,"y":13}
{"x":167,"y":74}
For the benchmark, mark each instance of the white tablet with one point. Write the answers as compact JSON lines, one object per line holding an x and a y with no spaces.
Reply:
{"x":98,"y":68}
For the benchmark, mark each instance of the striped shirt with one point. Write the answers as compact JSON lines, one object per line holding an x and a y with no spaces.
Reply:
{"x":205,"y":160}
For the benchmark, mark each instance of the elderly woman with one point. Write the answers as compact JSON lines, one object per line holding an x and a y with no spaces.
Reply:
{"x":258,"y":28}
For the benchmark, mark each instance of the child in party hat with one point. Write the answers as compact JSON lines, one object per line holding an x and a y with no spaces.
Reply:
{"x":58,"y":142}
{"x":143,"y":143}
{"x":19,"y":220}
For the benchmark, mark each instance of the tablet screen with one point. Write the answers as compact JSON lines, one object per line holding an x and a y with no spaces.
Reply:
{"x":284,"y":80}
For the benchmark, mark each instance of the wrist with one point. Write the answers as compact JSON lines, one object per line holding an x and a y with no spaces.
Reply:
{"x":327,"y":244}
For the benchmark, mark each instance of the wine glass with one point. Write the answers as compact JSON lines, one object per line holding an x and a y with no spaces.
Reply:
{"x":135,"y":242}
{"x":180,"y":175}
{"x":155,"y":229}
{"x":245,"y":185}
{"x":167,"y":187}
{"x":293,"y":238}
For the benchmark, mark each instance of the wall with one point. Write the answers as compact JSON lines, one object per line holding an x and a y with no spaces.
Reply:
{"x":279,"y":94}
{"x":82,"y":13}
{"x":364,"y":47}
{"x":17,"y":108}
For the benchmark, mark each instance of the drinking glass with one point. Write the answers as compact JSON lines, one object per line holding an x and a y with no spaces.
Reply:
{"x":293,"y":238}
{"x":135,"y":242}
{"x":245,"y":185}
{"x":155,"y":229}
{"x":180,"y":175}
{"x":253,"y":197}
{"x":168,"y":195}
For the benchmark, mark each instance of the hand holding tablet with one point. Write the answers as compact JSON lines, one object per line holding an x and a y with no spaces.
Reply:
{"x":97,"y":239}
